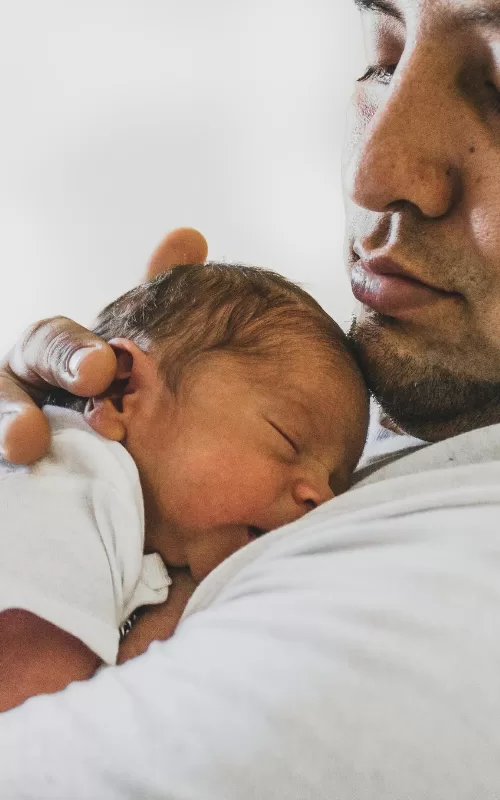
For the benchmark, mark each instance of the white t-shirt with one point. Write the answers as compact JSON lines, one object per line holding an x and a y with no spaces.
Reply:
{"x":353,"y":655}
{"x":72,"y":537}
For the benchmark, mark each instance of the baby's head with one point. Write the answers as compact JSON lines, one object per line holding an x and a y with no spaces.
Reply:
{"x":239,"y":400}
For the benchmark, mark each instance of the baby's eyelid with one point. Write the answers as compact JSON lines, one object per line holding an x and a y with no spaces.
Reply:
{"x":285,"y":436}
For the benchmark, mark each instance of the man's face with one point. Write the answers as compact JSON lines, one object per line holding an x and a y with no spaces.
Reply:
{"x":422,"y":187}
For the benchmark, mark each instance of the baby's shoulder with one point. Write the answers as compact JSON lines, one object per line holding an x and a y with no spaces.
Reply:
{"x":78,"y":453}
{"x":77,"y":450}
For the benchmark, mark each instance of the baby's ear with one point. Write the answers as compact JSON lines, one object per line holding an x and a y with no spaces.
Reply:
{"x":108,"y":413}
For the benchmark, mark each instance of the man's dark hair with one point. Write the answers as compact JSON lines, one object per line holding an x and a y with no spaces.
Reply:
{"x":193,"y":311}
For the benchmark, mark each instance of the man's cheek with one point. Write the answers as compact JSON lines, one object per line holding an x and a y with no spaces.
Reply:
{"x":358,"y":118}
{"x":483,"y":279}
{"x":485,"y":225}
{"x":481,"y":205}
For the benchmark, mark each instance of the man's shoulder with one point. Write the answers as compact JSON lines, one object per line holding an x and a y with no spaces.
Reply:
{"x":383,"y":447}
{"x":393,"y":455}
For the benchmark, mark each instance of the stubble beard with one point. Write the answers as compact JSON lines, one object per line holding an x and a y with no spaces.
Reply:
{"x":416,"y":390}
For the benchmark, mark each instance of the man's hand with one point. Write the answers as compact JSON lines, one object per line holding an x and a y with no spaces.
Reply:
{"x":59,"y":352}
{"x":54,"y":352}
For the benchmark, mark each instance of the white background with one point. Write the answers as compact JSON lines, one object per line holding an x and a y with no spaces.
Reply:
{"x":122,"y":119}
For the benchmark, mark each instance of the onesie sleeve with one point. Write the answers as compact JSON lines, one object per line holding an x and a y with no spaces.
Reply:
{"x":60,"y":556}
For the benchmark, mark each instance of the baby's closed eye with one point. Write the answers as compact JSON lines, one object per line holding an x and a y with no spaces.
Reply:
{"x":286,"y":436}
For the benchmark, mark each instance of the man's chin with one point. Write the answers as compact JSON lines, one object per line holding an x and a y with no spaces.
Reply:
{"x":421,"y":392}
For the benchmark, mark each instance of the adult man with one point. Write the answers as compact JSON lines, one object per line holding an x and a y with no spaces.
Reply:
{"x":357,"y":654}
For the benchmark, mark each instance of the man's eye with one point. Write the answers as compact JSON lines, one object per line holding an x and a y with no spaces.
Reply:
{"x":381,"y":74}
{"x":287,"y":438}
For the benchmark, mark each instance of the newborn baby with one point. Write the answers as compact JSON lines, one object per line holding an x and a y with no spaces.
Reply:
{"x":237,"y":408}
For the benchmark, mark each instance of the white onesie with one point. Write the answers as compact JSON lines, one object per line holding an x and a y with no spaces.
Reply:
{"x":72,"y":530}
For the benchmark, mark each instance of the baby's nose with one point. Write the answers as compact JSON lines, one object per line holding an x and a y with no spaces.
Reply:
{"x":309,"y":495}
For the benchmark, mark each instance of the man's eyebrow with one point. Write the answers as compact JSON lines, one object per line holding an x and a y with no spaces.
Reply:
{"x":380,"y":7}
{"x":486,"y":17}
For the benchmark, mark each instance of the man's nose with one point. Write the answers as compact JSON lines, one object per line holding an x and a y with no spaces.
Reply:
{"x":407,"y":151}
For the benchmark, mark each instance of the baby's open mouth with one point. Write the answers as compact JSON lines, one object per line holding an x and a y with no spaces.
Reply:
{"x":255,"y":533}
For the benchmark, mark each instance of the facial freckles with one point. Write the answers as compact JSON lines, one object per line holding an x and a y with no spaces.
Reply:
{"x":421,"y":174}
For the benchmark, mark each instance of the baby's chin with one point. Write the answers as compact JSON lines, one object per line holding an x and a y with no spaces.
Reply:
{"x":206,"y":552}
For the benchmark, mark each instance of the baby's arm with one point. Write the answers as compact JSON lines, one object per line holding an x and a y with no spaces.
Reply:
{"x":159,"y":622}
{"x":38,"y":658}
{"x":61,"y":574}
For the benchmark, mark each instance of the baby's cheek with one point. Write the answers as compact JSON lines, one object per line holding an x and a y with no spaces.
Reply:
{"x":237,"y":491}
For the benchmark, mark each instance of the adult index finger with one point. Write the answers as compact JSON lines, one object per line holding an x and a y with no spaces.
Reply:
{"x":181,"y":246}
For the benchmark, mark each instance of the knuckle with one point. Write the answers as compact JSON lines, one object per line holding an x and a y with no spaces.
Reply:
{"x":40,"y":332}
{"x":58,"y":351}
{"x":45,"y":348}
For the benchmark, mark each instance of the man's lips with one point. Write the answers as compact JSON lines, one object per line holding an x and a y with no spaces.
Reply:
{"x":383,"y":285}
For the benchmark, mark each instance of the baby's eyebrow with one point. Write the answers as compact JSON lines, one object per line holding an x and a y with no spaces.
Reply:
{"x":300,"y":407}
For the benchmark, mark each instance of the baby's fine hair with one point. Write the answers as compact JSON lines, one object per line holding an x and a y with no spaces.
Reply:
{"x":193,"y":311}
